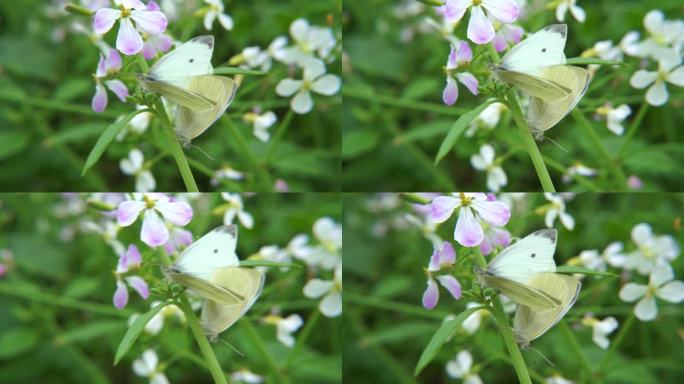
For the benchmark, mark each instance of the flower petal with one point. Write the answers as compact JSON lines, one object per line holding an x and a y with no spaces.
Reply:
{"x":660,"y":275}
{"x":470,"y":81}
{"x":315,"y":288}
{"x":226,"y":21}
{"x":464,"y":53}
{"x":480,"y":29}
{"x":450,"y":93}
{"x":578,"y":13}
{"x":468,"y":231}
{"x":99,"y":102}
{"x":120,"y":295}
{"x":657,"y":94}
{"x":567,"y":221}
{"x":431,"y":294}
{"x":128,"y":211}
{"x":632,"y":291}
{"x":455,"y":9}
{"x":646,"y":309}
{"x":113,"y":62}
{"x":128,"y":41}
{"x":672,"y":292}
{"x":152,"y":22}
{"x":208,"y":20}
{"x":139,"y":285}
{"x":676,"y":77}
{"x":495,"y":213}
{"x":447,"y":254}
{"x":331,"y":305}
{"x":302,"y":102}
{"x":313,"y":68}
{"x":145,"y":182}
{"x":177,"y":212}
{"x":642,"y":79}
{"x":327,"y":85}
{"x":442,"y":207}
{"x":288,"y":87}
{"x":104,"y":20}
{"x":119,"y":89}
{"x":154,"y":233}
{"x":506,"y":11}
{"x":451,"y":284}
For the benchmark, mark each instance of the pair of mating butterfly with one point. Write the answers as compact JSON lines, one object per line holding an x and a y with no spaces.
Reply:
{"x":184,"y":76}
{"x":537,"y":67}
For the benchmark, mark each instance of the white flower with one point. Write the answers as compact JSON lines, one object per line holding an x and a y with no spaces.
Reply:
{"x":612,"y":255}
{"x":146,"y":366}
{"x":155,"y":325}
{"x":216,"y":10}
{"x":659,"y":284}
{"x":557,"y":209}
{"x":138,"y":124}
{"x":236,"y":208}
{"x":652,"y":251}
{"x":134,"y":165}
{"x":308,"y":40}
{"x":226,"y":173}
{"x":460,"y":368}
{"x":315,"y":80}
{"x":615,"y":116}
{"x":578,"y":169}
{"x":327,"y":253}
{"x":557,"y":379}
{"x":664,"y":35}
{"x":601,"y":329}
{"x":472,"y":323}
{"x":485,"y":161}
{"x":246,"y":376}
{"x":254,"y":57}
{"x":488,"y":118}
{"x":330,"y":290}
{"x":669,"y":70}
{"x":577,"y":12}
{"x":261,"y":124}
{"x":285,"y":327}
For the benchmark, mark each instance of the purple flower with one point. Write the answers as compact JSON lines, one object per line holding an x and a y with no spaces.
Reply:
{"x":458,"y":56}
{"x":105,"y":67}
{"x":474,"y":207}
{"x":128,"y":260}
{"x":128,"y":40}
{"x":506,"y":34}
{"x":480,"y":28}
{"x":156,"y":43}
{"x":178,"y":238}
{"x":442,"y":258}
{"x":493,"y":237}
{"x":154,"y":231}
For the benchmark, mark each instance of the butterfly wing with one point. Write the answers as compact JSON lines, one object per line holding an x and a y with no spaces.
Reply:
{"x":526,"y":257}
{"x":177,"y":95}
{"x":522,"y":294}
{"x":193,"y":58}
{"x":212,"y":251}
{"x":535,"y":86}
{"x":220,"y":89}
{"x":543,"y":114}
{"x":541,"y":49}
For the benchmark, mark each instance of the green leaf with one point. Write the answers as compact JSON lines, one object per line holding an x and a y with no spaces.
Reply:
{"x":238,"y":71}
{"x":592,"y":60}
{"x":458,"y":128}
{"x":445,"y":331}
{"x":16,"y":341}
{"x":106,"y":138}
{"x":12,"y":143}
{"x":359,"y":142}
{"x":267,"y":263}
{"x":89,"y":331}
{"x":585,"y":271}
{"x":134,"y":331}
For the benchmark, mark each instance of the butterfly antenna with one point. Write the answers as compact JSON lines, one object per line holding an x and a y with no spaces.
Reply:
{"x":543,"y":357}
{"x":558,"y":145}
{"x":201,"y":151}
{"x":232,"y":347}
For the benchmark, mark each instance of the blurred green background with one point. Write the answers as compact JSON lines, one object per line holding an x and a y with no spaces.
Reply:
{"x":47,"y":126}
{"x":58,"y":324}
{"x":386,"y":327}
{"x":393,"y":116}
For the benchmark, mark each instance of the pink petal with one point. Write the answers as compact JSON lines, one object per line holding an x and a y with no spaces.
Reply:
{"x":470,"y":81}
{"x":480,"y":29}
{"x":464,"y":54}
{"x":113,"y":62}
{"x":506,"y":11}
{"x":452,"y":62}
{"x":153,"y":6}
{"x":433,"y":266}
{"x":132,"y":4}
{"x":119,"y":89}
{"x":177,"y":212}
{"x":450,"y":93}
{"x":451,"y":284}
{"x":104,"y":20}
{"x":164,"y":42}
{"x":154,"y":233}
{"x":468,"y":232}
{"x":132,"y":257}
{"x":455,"y":9}
{"x":499,"y":42}
{"x":101,"y":67}
{"x":120,"y":295}
{"x":99,"y":102}
{"x":128,"y":41}
{"x":139,"y":285}
{"x":486,"y":246}
{"x":442,"y":207}
{"x":152,"y":22}
{"x":501,"y":237}
{"x":128,"y":212}
{"x":431,"y":294}
{"x":512,"y":33}
{"x":494,"y":212}
{"x":149,"y":50}
{"x":447,"y":255}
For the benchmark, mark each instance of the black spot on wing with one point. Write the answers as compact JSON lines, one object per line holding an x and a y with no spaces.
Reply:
{"x":533,"y":255}
{"x":191,"y":60}
{"x":215,"y":250}
{"x":543,"y":50}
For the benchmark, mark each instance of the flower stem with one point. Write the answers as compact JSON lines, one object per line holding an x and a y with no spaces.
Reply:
{"x":205,"y":347}
{"x":618,"y":340}
{"x":572,"y":340}
{"x":633,"y":128}
{"x":265,"y":354}
{"x":175,"y":147}
{"x":278,"y":135}
{"x":530,"y":144}
{"x":301,"y":339}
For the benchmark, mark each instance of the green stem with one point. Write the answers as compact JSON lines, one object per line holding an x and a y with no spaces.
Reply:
{"x":598,"y":144}
{"x":259,"y":344}
{"x":278,"y":135}
{"x":633,"y":128}
{"x":530,"y":144}
{"x":205,"y":347}
{"x":251,"y":157}
{"x":617,"y":341}
{"x":175,"y":147}
{"x":57,"y":105}
{"x":577,"y":349}
{"x":303,"y":336}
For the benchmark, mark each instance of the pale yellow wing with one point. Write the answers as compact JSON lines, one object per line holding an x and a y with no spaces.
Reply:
{"x":535,"y":86}
{"x":246,"y":282}
{"x":521,"y":293}
{"x":543,"y":114}
{"x":220,"y":89}
{"x":177,"y":95}
{"x":529,"y":324}
{"x":205,"y":289}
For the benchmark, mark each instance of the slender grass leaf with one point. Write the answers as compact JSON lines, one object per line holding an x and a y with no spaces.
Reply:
{"x":12,"y":143}
{"x":106,"y":138}
{"x":267,"y":263}
{"x":89,"y":331}
{"x":445,"y":331}
{"x":584,"y":271}
{"x":238,"y":71}
{"x":458,"y":128}
{"x":592,"y":60}
{"x":14,"y":342}
{"x":134,"y":331}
